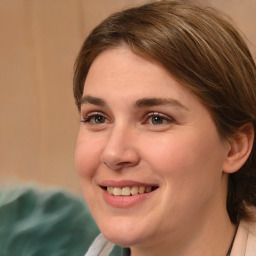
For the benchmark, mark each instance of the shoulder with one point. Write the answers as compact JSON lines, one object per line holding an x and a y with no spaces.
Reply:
{"x":250,"y":225}
{"x":245,"y":241}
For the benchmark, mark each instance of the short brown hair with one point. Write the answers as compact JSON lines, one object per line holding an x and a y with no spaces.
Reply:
{"x":205,"y":54}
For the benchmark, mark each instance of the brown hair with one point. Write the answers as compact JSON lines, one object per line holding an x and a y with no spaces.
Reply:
{"x":205,"y":54}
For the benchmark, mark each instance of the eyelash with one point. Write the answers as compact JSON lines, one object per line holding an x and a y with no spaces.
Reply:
{"x":165,"y":119}
{"x":162,"y":118}
{"x":90,"y":116}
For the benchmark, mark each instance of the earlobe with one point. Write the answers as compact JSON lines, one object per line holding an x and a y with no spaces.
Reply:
{"x":240,"y":148}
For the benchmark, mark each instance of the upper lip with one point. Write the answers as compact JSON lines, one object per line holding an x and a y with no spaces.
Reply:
{"x":126,"y":183}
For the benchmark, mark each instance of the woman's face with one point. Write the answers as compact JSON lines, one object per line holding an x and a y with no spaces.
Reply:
{"x":148,"y":153}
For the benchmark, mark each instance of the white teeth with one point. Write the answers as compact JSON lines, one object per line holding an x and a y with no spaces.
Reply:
{"x":110,"y":190}
{"x":117,"y":191}
{"x":142,"y":190}
{"x":134,"y":190}
{"x":127,"y":191}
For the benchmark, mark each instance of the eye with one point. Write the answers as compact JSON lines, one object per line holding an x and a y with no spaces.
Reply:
{"x":95,"y":118}
{"x":156,"y":118}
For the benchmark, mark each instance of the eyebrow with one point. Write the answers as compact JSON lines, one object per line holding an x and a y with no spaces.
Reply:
{"x":93,"y":100}
{"x":150,"y":102}
{"x":141,"y":103}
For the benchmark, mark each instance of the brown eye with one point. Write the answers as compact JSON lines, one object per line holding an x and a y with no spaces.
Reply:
{"x":97,"y":119}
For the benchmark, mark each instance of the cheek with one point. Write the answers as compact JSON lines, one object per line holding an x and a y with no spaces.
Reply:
{"x":186,"y":155}
{"x":87,"y":160}
{"x":191,"y":171}
{"x":170,"y":154}
{"x":87,"y":156}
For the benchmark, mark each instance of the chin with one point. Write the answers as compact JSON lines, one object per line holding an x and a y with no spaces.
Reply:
{"x":124,"y":240}
{"x":123,"y":235}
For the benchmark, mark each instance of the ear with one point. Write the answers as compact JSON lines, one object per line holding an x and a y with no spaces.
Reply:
{"x":240,"y":148}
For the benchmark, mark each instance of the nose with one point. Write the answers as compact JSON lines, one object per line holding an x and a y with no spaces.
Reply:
{"x":120,"y":149}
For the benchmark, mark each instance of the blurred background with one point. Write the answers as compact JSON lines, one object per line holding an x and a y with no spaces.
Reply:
{"x":39,"y":41}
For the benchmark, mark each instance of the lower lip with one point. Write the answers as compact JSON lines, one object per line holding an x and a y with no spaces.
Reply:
{"x":125,"y":201}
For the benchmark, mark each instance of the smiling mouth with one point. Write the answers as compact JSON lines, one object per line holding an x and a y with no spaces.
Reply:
{"x":129,"y":191}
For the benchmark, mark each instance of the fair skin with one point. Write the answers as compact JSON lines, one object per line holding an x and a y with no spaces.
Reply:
{"x":141,"y":128}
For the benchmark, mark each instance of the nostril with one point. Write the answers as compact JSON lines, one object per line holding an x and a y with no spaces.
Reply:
{"x":118,"y":166}
{"x":124,"y":164}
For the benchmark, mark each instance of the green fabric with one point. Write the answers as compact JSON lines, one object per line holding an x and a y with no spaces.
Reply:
{"x":48,"y":222}
{"x":119,"y":251}
{"x":36,"y":223}
{"x":125,"y":252}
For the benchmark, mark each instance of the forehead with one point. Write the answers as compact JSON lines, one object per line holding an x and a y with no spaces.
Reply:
{"x":121,"y":62}
{"x":120,"y":69}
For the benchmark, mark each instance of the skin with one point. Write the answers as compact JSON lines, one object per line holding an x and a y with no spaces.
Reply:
{"x":174,"y":145}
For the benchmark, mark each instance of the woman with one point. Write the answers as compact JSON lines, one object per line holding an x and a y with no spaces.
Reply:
{"x":165,"y":151}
